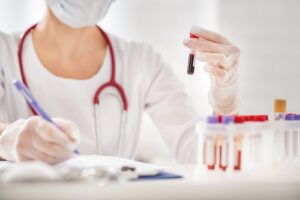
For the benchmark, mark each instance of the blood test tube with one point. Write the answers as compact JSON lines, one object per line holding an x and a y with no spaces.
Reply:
{"x":191,"y":61}
{"x":278,"y":135}
{"x":288,"y":138}
{"x":223,"y":144}
{"x":296,"y":139}
{"x":210,"y":147}
{"x":256,"y":139}
{"x":279,"y":109}
{"x":238,"y":142}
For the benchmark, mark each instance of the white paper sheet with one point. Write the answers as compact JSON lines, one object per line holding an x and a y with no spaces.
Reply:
{"x":108,"y":161}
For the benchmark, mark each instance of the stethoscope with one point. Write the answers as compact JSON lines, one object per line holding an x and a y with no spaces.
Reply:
{"x":112,"y":83}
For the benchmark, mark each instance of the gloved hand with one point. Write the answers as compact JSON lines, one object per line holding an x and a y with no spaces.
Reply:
{"x":222,"y":58}
{"x":37,"y":139}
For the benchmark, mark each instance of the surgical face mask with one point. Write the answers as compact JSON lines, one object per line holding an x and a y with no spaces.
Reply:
{"x":79,"y":13}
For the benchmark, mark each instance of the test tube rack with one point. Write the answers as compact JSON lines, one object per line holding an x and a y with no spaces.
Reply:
{"x":248,"y":146}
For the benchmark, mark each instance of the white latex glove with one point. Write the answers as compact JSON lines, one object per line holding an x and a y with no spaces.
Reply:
{"x":222,"y":58}
{"x":37,"y":139}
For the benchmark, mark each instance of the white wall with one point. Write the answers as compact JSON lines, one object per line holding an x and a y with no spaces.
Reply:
{"x":268,"y":33}
{"x":16,"y":15}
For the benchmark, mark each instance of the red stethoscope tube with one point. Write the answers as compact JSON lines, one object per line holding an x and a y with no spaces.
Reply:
{"x":111,"y":83}
{"x":191,"y":61}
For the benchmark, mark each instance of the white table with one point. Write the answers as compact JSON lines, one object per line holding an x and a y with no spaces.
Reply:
{"x":197,"y":184}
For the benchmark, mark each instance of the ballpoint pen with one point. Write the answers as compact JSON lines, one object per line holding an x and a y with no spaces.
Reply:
{"x":34,"y":104}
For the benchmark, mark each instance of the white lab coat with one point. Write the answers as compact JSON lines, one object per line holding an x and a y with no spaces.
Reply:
{"x":150,"y":86}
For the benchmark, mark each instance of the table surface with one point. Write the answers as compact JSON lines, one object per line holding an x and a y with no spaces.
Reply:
{"x":197,"y":183}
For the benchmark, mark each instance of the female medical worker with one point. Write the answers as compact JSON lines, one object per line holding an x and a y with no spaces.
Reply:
{"x":67,"y":63}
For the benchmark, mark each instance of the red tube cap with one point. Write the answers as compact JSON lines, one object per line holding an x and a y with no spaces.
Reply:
{"x":193,"y":35}
{"x":239,"y":119}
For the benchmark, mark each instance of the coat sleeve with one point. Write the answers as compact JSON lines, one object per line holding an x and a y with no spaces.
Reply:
{"x":170,"y":108}
{"x":1,"y":83}
{"x":2,"y":52}
{"x":4,"y":40}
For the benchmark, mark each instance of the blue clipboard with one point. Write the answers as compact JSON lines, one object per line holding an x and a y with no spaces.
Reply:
{"x":162,"y":175}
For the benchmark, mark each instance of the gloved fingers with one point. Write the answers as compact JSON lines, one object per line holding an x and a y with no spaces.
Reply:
{"x":27,"y":152}
{"x":50,"y":148}
{"x":69,"y":128}
{"x":233,"y":59}
{"x":51,"y":133}
{"x":33,"y":139}
{"x":212,"y":58}
{"x":21,"y":157}
{"x":38,"y":155}
{"x":209,"y":35}
{"x":202,"y":45}
{"x":215,"y":71}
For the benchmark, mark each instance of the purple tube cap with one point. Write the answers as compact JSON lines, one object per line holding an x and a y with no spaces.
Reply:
{"x":227,"y":119}
{"x":297,"y":117}
{"x":289,"y":117}
{"x":212,"y":119}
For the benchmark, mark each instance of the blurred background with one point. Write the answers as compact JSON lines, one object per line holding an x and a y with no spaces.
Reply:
{"x":266,"y":31}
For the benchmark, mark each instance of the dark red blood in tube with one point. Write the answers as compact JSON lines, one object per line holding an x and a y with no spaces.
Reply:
{"x":221,"y":166}
{"x":238,"y":160}
{"x":191,"y":61}
{"x":191,"y":67}
{"x":212,"y":166}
